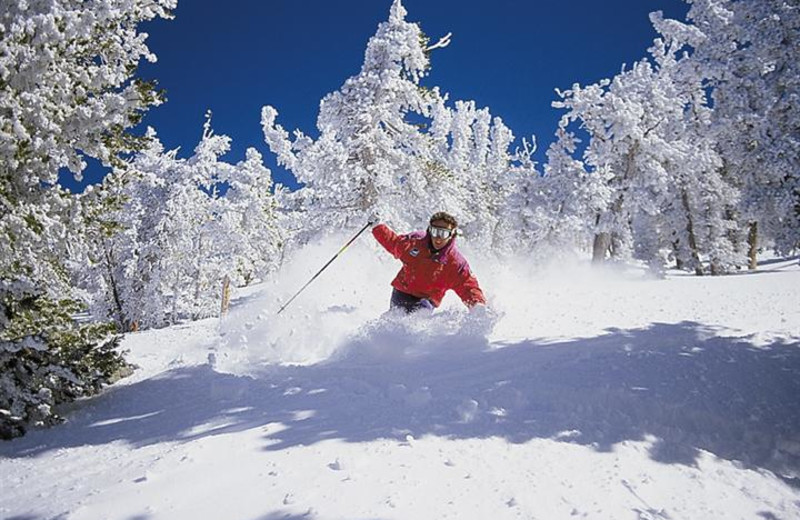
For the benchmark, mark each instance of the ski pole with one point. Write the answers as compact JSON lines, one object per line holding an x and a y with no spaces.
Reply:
{"x":368,"y":224}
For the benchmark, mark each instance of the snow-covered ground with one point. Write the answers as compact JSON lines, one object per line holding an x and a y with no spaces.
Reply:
{"x":589,"y":393}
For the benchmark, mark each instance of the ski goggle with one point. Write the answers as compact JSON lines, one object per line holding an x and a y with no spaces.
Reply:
{"x":438,"y":232}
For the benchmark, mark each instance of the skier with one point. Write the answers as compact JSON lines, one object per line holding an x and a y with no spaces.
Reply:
{"x":431,"y":266}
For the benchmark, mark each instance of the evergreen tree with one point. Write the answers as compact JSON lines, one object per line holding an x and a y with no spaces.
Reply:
{"x":177,"y":236}
{"x":390,"y":145}
{"x":66,"y":91}
{"x":649,"y":141}
{"x":369,"y":147}
{"x":251,"y":221}
{"x":569,"y":197}
{"x":472,"y":153}
{"x":749,"y":55}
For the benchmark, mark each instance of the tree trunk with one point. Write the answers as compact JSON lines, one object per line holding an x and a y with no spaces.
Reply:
{"x":716,"y":270}
{"x":226,"y":296}
{"x":698,"y":267}
{"x":368,"y":191}
{"x":733,"y":234}
{"x":752,"y":241}
{"x":198,"y":288}
{"x":173,"y":319}
{"x":121,"y":319}
{"x":678,"y":259}
{"x":602,"y":241}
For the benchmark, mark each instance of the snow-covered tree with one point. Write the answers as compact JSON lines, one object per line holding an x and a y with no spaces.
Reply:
{"x":750,"y":55}
{"x":251,"y":221}
{"x":472,"y":157}
{"x":67,"y":91}
{"x":370,"y":146}
{"x":566,"y":202}
{"x":176,"y":235}
{"x":649,"y":142}
{"x":390,"y":145}
{"x":701,"y":141}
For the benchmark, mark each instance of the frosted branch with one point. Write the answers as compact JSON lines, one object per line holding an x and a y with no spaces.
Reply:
{"x":277,"y":138}
{"x":443,"y":42}
{"x":207,"y":131}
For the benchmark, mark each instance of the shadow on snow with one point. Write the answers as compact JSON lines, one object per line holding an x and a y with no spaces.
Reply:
{"x":677,"y":382}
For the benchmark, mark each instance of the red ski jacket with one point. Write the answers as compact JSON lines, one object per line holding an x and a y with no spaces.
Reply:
{"x":426,"y":272}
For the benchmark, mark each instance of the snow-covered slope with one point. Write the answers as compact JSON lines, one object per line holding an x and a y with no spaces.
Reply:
{"x":585,"y":393}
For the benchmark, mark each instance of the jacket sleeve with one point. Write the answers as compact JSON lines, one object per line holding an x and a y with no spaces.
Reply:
{"x":390,"y":240}
{"x":467,"y":287}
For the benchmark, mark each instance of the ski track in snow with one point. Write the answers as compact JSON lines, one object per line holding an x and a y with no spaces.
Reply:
{"x":588,"y":395}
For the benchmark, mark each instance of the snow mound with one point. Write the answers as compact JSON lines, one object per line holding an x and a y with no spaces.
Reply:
{"x":397,"y":336}
{"x":342,"y":312}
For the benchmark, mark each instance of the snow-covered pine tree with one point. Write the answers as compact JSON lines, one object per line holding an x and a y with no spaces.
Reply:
{"x":600,"y":108}
{"x":648,"y":131}
{"x":387,"y":144}
{"x":370,"y":146}
{"x":122,"y":261}
{"x":697,"y":210}
{"x":66,"y":91}
{"x":99,"y":274}
{"x":749,"y":55}
{"x":566,"y":201}
{"x":177,"y":236}
{"x":191,"y":245}
{"x":471,"y":150}
{"x":250,"y":218}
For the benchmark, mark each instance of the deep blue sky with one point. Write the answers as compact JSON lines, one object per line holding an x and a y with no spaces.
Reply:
{"x":235,"y":56}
